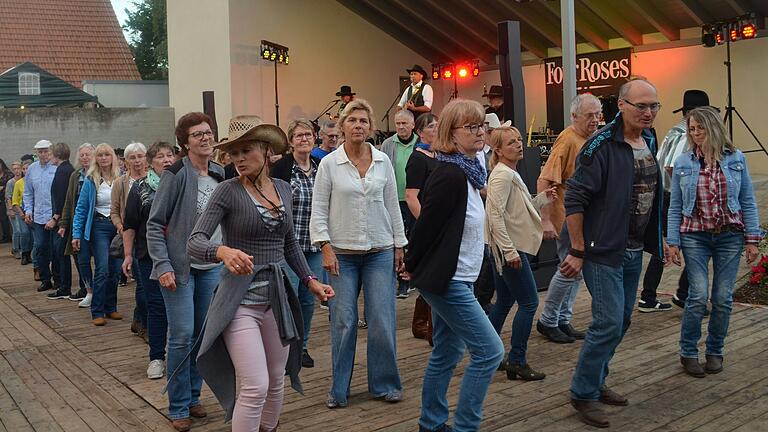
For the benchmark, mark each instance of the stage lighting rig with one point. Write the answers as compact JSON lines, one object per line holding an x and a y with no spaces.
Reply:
{"x":274,"y":52}
{"x":734,"y":29}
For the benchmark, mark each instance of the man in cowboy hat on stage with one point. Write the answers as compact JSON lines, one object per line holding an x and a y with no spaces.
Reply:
{"x":674,"y":144}
{"x":346,"y":95}
{"x":418,"y":97}
{"x":495,"y":101}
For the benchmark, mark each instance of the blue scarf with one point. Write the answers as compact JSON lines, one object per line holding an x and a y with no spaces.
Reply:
{"x":471,"y":167}
{"x":424,"y":146}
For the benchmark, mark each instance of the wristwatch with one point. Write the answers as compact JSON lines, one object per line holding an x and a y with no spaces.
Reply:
{"x":322,"y":243}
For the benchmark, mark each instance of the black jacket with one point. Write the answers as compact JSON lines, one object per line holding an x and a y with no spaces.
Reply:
{"x":433,"y":248}
{"x":60,"y":185}
{"x":601,"y":189}
{"x":282,"y":168}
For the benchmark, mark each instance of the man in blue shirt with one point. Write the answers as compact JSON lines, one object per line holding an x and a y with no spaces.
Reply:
{"x":329,"y":135}
{"x":38,"y":211}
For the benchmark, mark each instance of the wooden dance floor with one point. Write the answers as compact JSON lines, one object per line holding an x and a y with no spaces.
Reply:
{"x":60,"y":373}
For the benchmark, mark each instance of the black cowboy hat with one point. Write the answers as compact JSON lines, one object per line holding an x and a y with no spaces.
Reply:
{"x":419,"y":69}
{"x":495,"y":90}
{"x":345,"y":91}
{"x":693,"y":99}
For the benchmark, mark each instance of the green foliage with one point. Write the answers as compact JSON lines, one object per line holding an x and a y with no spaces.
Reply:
{"x":149,"y":38}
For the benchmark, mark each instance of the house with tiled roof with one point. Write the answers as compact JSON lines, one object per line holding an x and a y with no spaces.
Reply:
{"x":74,"y":40}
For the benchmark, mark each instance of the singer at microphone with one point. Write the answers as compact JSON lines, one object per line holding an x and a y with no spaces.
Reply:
{"x":346,"y":95}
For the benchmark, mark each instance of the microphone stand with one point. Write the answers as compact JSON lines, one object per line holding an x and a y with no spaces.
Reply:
{"x":331,"y":104}
{"x":394,"y":102}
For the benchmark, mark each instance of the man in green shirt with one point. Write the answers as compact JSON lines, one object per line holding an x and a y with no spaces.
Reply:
{"x":398,"y":148}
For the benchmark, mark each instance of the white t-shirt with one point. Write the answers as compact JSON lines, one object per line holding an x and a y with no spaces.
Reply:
{"x":103,"y":199}
{"x":471,"y":249}
{"x":205,"y":187}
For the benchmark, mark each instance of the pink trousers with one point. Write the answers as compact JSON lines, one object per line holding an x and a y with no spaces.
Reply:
{"x":259,"y":357}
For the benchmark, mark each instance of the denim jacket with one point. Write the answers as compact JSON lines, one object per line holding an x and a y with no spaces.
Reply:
{"x":685,"y":177}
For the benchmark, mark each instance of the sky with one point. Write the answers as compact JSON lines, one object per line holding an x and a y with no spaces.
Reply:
{"x":119,"y":6}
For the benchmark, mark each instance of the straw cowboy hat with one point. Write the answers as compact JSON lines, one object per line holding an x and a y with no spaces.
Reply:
{"x":250,"y":128}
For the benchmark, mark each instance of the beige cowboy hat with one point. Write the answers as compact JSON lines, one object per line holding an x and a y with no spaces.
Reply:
{"x":251,"y":128}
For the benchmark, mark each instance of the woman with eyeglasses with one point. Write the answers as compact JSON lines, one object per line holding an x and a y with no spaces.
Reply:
{"x":298,"y":168}
{"x":356,"y":223}
{"x":712,"y":216}
{"x":417,"y":170}
{"x":443,"y":261}
{"x":188,"y":283}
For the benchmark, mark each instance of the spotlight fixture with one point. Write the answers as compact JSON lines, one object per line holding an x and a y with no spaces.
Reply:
{"x":748,"y":31}
{"x":731,"y":30}
{"x":271,"y":51}
{"x":459,"y":70}
{"x":435,"y":72}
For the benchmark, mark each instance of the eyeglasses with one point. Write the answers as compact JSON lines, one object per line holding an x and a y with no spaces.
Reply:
{"x":654,"y":107}
{"x":597,"y":115}
{"x":201,"y":134}
{"x":332,"y":136}
{"x":306,"y":135}
{"x":473,"y":128}
{"x":693,"y":129}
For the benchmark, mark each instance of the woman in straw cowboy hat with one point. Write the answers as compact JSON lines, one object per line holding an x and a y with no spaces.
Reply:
{"x":254,"y":324}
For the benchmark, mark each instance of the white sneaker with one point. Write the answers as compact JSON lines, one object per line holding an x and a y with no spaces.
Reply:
{"x":86,"y":302}
{"x":156,"y":369}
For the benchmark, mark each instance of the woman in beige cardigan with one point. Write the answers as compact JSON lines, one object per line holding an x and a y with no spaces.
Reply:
{"x":136,"y":163}
{"x":513,"y":231}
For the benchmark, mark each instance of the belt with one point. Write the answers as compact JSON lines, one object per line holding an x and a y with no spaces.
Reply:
{"x":725,"y":228}
{"x":99,"y":215}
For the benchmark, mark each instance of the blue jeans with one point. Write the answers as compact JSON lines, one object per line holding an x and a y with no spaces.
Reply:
{"x":65,"y":263}
{"x":306,"y":298}
{"x":186,"y":308}
{"x":562,"y":291}
{"x":376,"y":271}
{"x":21,"y":230}
{"x":84,"y":269}
{"x":459,"y":323}
{"x":614,"y":291}
{"x":140,"y":295}
{"x":107,"y":268}
{"x":44,"y":252}
{"x":157,"y":323}
{"x":515,"y":285}
{"x":724,"y":250}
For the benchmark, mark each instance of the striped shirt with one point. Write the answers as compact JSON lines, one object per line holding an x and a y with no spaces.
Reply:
{"x":674,"y":144}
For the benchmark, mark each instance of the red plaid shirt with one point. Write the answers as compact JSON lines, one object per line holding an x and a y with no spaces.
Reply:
{"x":711,"y":212}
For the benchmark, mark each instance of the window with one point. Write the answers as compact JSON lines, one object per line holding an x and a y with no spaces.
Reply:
{"x":29,"y":84}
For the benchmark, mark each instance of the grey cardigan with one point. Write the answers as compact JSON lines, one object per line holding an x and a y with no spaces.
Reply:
{"x":242,"y":228}
{"x":172,"y":217}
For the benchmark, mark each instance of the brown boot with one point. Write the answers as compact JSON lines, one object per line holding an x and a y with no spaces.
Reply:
{"x":115,"y":316}
{"x":263,"y":429}
{"x":421,"y":313}
{"x":591,"y":413}
{"x":610,"y":397}
{"x":99,"y":321}
{"x":197,"y":411}
{"x":182,"y":425}
{"x":692,"y":367}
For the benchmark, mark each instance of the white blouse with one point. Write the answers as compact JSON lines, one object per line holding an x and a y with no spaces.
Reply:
{"x":353,"y":213}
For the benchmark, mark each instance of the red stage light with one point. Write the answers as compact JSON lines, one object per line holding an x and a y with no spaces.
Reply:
{"x":463,"y":72}
{"x":719,"y":37}
{"x":748,"y":31}
{"x":435,"y":72}
{"x":734,"y":33}
{"x":447,"y":73}
{"x":475,"y":71}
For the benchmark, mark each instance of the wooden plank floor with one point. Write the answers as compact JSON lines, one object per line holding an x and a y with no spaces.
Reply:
{"x":60,"y":373}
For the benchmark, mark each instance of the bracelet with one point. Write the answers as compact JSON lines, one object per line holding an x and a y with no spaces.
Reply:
{"x":322,"y":243}
{"x":576,"y":253}
{"x":306,"y":280}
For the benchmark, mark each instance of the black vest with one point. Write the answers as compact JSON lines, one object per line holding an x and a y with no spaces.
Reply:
{"x":418,"y":100}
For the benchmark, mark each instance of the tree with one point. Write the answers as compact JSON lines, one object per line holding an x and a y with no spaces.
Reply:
{"x":149,"y":38}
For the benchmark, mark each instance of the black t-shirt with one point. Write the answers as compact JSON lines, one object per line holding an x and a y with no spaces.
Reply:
{"x":417,"y":171}
{"x":137,"y":207}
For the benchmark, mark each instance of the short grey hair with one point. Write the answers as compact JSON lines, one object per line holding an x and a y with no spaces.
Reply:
{"x":404,"y":113}
{"x":85,"y":145}
{"x":134,"y":148}
{"x":330,"y":124}
{"x":580,"y":100}
{"x":628,"y":86}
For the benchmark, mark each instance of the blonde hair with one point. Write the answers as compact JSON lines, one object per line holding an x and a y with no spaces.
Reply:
{"x":498,"y":137}
{"x":355,"y":105}
{"x":456,"y":114}
{"x":94,"y":171}
{"x":716,"y":142}
{"x":297,"y":124}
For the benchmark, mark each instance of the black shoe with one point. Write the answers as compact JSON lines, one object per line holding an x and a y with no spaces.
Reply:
{"x":678,"y":302}
{"x":79,"y":295}
{"x":45,"y":286}
{"x":26,"y":258}
{"x":523,"y":372}
{"x":443,"y":428}
{"x":572,"y":332}
{"x":58,"y":294}
{"x":714,"y":364}
{"x":554,"y":334}
{"x":654,"y":306}
{"x":692,"y":367}
{"x":306,"y":360}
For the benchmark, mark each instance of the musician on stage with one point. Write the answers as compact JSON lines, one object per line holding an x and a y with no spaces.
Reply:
{"x":346,"y":95}
{"x":495,"y":102}
{"x":417,"y":98}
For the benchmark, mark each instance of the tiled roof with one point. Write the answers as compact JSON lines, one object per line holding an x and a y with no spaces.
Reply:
{"x":75,"y":40}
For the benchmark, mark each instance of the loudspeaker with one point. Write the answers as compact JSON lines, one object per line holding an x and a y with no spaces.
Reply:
{"x":209,"y":108}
